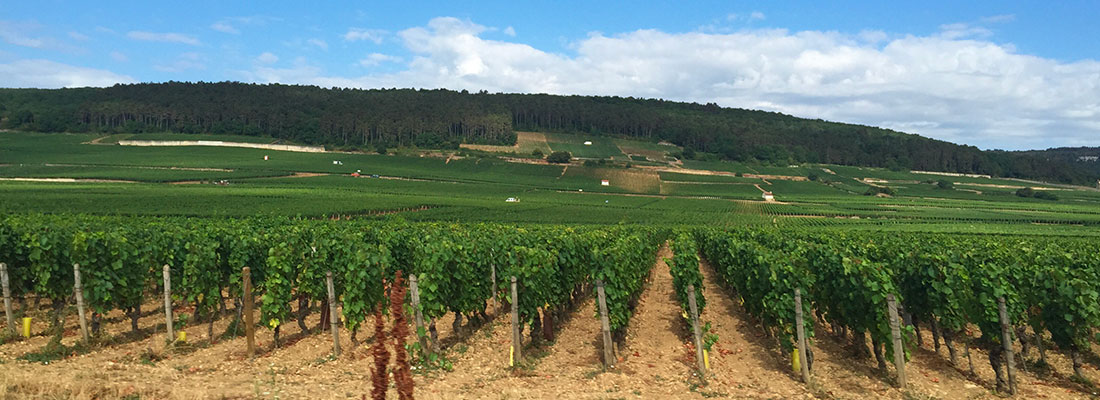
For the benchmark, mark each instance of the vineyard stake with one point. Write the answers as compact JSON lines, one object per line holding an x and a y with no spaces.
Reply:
{"x":79,"y":291}
{"x":414,"y":287}
{"x":895,"y":332}
{"x":605,"y":327}
{"x":168,"y":302}
{"x":249,"y":321}
{"x":1006,"y":339}
{"x":332,"y":317}
{"x":800,"y":330}
{"x":696,"y":332}
{"x":493,"y":278}
{"x":7,"y":297}
{"x":517,"y":339}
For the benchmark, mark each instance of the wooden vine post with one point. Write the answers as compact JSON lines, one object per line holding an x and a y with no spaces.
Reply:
{"x":517,"y":338}
{"x":493,"y":279}
{"x":605,"y":327}
{"x":1006,"y":339}
{"x":696,"y":332}
{"x":79,"y":292}
{"x":414,"y":287}
{"x":333,"y":319}
{"x":249,"y":318}
{"x":895,"y":333}
{"x":168,"y":302}
{"x":7,"y":298}
{"x":800,"y":331}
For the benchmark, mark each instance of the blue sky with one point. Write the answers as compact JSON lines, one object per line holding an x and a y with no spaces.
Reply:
{"x":1007,"y":75}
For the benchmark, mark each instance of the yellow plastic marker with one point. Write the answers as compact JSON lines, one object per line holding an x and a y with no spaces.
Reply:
{"x":182,"y":336}
{"x":511,"y":356}
{"x":27,"y":327}
{"x":706,"y":359}
{"x":795,"y":366}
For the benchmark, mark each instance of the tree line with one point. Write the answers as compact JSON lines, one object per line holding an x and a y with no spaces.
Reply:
{"x":442,"y":118}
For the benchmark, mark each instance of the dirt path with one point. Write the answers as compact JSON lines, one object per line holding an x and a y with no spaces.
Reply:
{"x":67,"y":180}
{"x":655,"y":340}
{"x":740,"y":362}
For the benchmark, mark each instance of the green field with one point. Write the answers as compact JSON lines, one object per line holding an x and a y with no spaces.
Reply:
{"x":601,"y":147}
{"x":474,"y":188}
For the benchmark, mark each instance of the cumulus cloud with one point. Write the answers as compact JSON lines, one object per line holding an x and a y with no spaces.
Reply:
{"x":49,"y":74}
{"x":510,"y":31}
{"x":358,"y":34}
{"x":378,"y":58}
{"x":960,"y":88}
{"x":753,"y":16}
{"x":995,"y":19}
{"x":224,"y":27}
{"x":163,"y":37}
{"x":230,"y":25}
{"x":28,"y":34}
{"x":267,"y":58}
{"x":183,"y":62}
{"x":321,"y":44}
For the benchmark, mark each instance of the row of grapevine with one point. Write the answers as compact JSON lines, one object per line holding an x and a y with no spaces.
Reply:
{"x":947,"y":281}
{"x":684,"y":267}
{"x":763,"y":278}
{"x":120,"y":260}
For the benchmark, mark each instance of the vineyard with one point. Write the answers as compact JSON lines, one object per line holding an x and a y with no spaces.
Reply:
{"x":999,"y":295}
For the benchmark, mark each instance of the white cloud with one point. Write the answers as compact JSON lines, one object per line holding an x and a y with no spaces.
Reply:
{"x":119,"y":56}
{"x":510,"y":31}
{"x":968,"y":90}
{"x":224,"y":27}
{"x":183,"y":62}
{"x":753,"y":16}
{"x":319,"y":43}
{"x":27,"y":34}
{"x":357,"y":34}
{"x":964,"y":30}
{"x":49,"y":74}
{"x":267,"y":58}
{"x":996,"y":19}
{"x":163,"y":37}
{"x":78,"y":36}
{"x":378,"y":58}
{"x":230,"y":25}
{"x":15,"y":33}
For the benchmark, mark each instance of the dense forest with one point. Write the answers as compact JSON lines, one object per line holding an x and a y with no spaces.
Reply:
{"x":444,"y":118}
{"x":1087,"y":158}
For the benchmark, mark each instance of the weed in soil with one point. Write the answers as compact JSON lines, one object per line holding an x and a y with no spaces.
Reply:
{"x":55,"y":350}
{"x":150,"y":357}
{"x":322,"y":360}
{"x":702,"y":390}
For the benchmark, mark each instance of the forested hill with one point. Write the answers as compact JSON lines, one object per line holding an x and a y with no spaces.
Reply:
{"x":1087,"y":158}
{"x":442,"y":118}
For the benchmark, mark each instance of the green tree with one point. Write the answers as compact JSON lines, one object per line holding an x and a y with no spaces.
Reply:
{"x":559,"y":157}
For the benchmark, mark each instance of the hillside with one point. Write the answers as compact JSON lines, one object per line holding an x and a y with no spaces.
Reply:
{"x":445,"y":119}
{"x":1085,"y":158}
